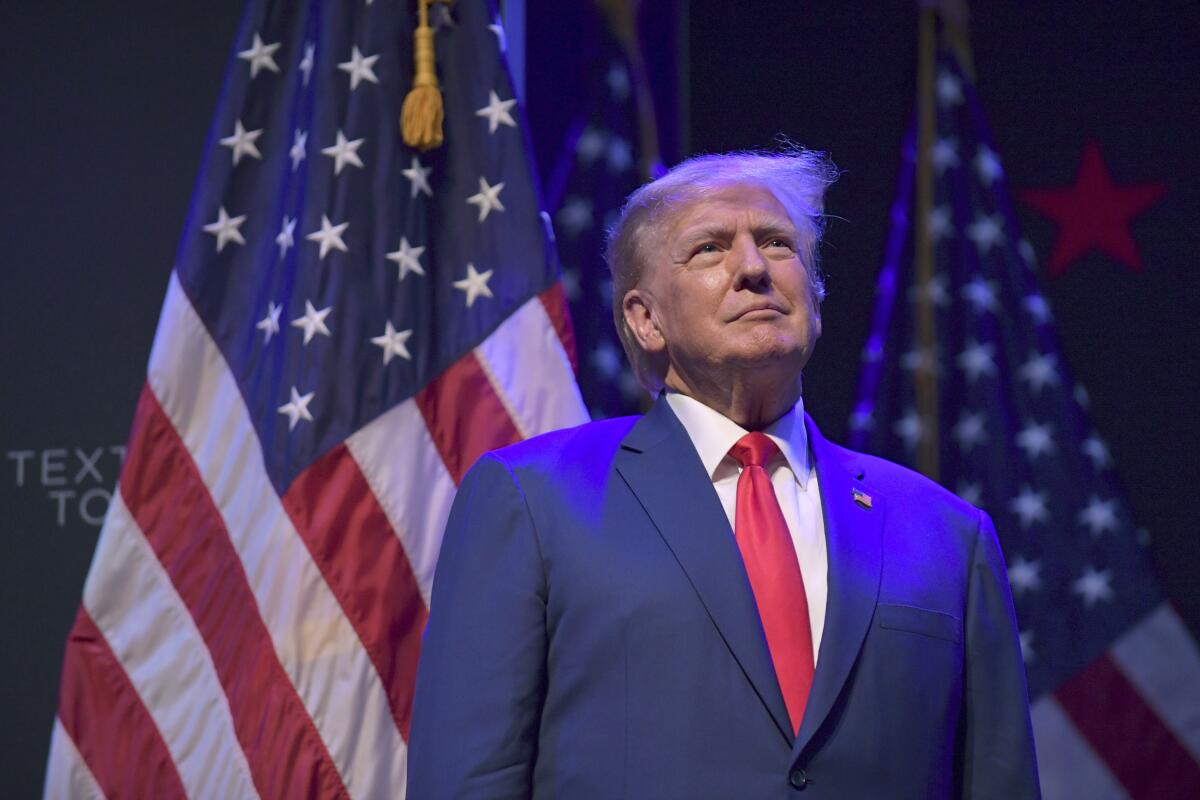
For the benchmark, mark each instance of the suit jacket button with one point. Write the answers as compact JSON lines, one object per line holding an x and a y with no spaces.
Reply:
{"x":798,"y":778}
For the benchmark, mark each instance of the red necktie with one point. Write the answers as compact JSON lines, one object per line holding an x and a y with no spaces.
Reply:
{"x":770,"y":558}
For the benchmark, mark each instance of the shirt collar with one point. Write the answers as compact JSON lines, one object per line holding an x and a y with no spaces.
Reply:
{"x":713,"y":434}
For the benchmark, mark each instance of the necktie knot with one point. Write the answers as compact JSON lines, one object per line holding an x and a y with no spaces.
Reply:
{"x":753,"y":450}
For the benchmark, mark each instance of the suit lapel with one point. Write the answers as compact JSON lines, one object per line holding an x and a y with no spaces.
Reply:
{"x":660,"y":465}
{"x":854,"y":541}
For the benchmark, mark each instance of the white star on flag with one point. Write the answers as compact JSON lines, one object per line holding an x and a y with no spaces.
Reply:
{"x":1039,"y":371}
{"x":306,"y":63}
{"x":618,"y":81}
{"x":909,"y":428}
{"x":1081,"y":395}
{"x":939,"y":222}
{"x":488,"y":198}
{"x":299,"y":149}
{"x":1026,"y":251}
{"x":934,"y":289}
{"x":570,"y":283}
{"x":949,"y":89}
{"x":1024,"y":576}
{"x":1093,"y":586}
{"x":418,"y":177}
{"x":475,"y":284}
{"x":359,"y":68}
{"x":606,"y":360}
{"x":970,"y":491}
{"x":970,"y":431}
{"x":986,"y":231}
{"x":392,"y":341}
{"x":226,"y":229}
{"x":590,"y":145}
{"x":1029,"y":506}
{"x":313,"y":321}
{"x":286,"y":236}
{"x":944,"y":153}
{"x":1035,"y":439}
{"x":330,"y":236}
{"x":618,"y":156}
{"x":987,"y":165}
{"x":919,"y":360}
{"x":241,"y":142}
{"x":496,"y":112}
{"x":575,"y":215}
{"x":1038,"y":308}
{"x":269,"y":324}
{"x":406,"y":257}
{"x":344,"y":152}
{"x":1094,"y":448}
{"x":260,"y":56}
{"x":977,"y":360}
{"x":980,"y":294}
{"x":862,"y":420}
{"x":297,"y":408}
{"x":1099,"y":516}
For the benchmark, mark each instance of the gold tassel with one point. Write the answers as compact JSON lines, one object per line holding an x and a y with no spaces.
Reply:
{"x":422,"y":115}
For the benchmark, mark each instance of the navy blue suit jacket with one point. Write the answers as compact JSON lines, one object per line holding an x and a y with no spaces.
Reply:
{"x":592,"y":634}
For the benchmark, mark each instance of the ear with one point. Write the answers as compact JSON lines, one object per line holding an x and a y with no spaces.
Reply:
{"x":639,"y":318}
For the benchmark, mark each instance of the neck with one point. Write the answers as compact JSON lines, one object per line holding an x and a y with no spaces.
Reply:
{"x":752,"y":401}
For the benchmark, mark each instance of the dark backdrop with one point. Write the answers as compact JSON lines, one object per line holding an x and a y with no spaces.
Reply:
{"x":105,"y":108}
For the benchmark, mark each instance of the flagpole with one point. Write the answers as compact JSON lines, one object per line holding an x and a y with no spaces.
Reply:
{"x":926,"y":380}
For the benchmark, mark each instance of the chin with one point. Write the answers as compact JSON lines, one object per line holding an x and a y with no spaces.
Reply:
{"x":773,"y":353}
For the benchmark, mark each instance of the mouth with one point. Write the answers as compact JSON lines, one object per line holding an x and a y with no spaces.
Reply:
{"x":759,"y":311}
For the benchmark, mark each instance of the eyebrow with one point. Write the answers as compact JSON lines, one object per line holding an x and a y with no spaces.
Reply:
{"x":763,"y":227}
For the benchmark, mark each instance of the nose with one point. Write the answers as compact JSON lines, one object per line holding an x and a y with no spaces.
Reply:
{"x":751,"y":266}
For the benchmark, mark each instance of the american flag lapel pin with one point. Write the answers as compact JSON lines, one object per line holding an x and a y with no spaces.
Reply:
{"x":862,"y":498}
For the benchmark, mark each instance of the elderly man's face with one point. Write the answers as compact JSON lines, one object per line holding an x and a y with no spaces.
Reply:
{"x":727,"y":288}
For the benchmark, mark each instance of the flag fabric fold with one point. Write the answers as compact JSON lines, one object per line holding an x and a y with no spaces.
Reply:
{"x":350,"y":323}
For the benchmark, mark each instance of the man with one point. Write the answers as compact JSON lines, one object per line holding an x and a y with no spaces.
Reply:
{"x":712,"y":601}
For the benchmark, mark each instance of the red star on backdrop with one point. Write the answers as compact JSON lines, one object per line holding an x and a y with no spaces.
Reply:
{"x":1094,"y":214}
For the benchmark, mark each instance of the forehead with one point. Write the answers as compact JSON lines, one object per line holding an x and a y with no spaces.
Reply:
{"x":727,"y":203}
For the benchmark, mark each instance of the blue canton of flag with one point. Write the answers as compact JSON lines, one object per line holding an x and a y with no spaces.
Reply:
{"x":350,"y":324}
{"x":978,"y":395}
{"x":315,"y":231}
{"x":602,"y":160}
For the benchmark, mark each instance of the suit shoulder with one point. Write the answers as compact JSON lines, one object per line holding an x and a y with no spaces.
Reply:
{"x":896,"y":480}
{"x":593,"y":442}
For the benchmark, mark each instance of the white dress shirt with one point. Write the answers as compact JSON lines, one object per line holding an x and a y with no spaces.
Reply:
{"x":792,"y":475}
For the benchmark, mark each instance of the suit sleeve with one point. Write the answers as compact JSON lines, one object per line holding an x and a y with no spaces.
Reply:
{"x":998,"y":759}
{"x":481,"y":678}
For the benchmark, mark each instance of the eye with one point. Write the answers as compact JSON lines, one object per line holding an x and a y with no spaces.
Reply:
{"x":707,"y":247}
{"x":779,"y":241}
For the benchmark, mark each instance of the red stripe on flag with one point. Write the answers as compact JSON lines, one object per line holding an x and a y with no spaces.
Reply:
{"x":465,"y":416}
{"x":361,"y":558}
{"x":555,"y":303}
{"x":1125,"y":732}
{"x":171,"y":504}
{"x":96,"y":701}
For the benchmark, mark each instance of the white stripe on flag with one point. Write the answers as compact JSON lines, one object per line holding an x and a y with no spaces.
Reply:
{"x":405,"y":471}
{"x":1068,"y":766}
{"x":315,"y":643}
{"x":131,"y":599}
{"x":67,"y":774}
{"x":1161,"y":659}
{"x":525,"y":361}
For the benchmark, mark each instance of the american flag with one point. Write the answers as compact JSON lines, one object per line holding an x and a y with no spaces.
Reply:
{"x":349,"y":324}
{"x":609,"y":148}
{"x":963,"y":376}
